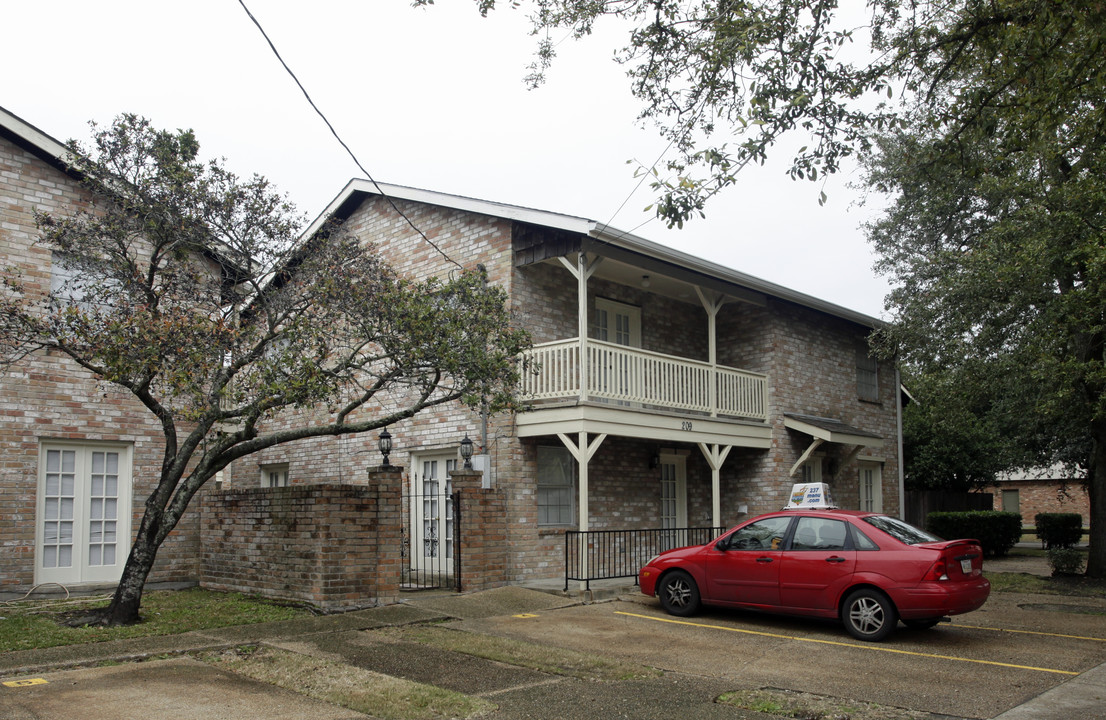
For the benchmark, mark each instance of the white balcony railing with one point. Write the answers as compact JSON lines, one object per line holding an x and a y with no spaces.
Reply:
{"x":628,"y":375}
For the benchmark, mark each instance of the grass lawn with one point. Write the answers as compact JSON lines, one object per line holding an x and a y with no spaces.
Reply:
{"x":41,"y":623}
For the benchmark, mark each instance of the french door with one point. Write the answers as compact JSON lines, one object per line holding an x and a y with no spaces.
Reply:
{"x":431,"y":508}
{"x":673,"y":516}
{"x":83,"y":513}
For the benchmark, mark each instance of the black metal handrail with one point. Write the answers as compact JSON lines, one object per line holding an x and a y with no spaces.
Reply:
{"x":608,"y":554}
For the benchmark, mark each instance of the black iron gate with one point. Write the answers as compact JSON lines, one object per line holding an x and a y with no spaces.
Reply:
{"x":431,"y":542}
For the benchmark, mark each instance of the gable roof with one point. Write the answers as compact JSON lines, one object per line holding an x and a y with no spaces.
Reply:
{"x":355,"y":192}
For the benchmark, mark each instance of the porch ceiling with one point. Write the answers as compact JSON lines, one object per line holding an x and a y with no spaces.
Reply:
{"x":642,"y":424}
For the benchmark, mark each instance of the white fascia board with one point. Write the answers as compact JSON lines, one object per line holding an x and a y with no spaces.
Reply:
{"x":32,"y":135}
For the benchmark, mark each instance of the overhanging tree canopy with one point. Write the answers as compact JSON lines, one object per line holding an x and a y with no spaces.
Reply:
{"x":187,"y":287}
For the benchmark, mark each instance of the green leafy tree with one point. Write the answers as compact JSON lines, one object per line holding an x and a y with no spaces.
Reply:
{"x":191,"y":289}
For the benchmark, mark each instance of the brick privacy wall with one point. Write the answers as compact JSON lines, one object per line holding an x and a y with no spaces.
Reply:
{"x":334,"y":546}
{"x":809,"y":358}
{"x":1045,"y":496}
{"x":46,"y":397}
{"x":483,"y":546}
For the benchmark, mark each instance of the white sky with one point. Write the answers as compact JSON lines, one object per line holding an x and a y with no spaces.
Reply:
{"x":432,"y":98}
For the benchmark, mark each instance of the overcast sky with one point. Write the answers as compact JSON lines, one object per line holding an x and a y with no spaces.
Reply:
{"x":432,"y":98}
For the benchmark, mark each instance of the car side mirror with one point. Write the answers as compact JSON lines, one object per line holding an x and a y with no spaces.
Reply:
{"x":723,"y":544}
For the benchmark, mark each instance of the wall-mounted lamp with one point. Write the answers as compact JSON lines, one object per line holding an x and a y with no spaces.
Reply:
{"x":645,"y":282}
{"x":466,"y":452}
{"x":385,"y":445}
{"x":654,"y":461}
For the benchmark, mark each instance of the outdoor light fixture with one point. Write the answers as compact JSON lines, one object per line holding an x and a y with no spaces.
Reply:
{"x":385,"y":445}
{"x":466,"y":452}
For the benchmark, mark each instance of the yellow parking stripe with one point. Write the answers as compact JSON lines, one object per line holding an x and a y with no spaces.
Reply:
{"x":1029,"y":632}
{"x":876,"y":648}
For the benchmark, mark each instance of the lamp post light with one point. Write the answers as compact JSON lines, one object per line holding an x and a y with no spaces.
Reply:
{"x":385,"y":445}
{"x":466,"y":452}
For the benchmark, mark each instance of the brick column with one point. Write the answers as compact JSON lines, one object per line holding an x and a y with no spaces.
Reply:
{"x":483,"y":537}
{"x":387,"y":480}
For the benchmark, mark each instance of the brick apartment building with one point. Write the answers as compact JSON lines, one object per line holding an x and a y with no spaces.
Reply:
{"x":668,"y":393}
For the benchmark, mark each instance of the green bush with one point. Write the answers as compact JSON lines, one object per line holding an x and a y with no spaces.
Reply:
{"x":996,"y":531}
{"x":1059,"y":530}
{"x":1065,"y":561}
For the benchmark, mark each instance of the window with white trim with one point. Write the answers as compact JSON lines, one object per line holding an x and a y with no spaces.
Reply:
{"x":556,"y":486}
{"x":275,"y":475}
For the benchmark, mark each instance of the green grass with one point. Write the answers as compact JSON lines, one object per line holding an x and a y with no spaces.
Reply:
{"x":41,"y":624}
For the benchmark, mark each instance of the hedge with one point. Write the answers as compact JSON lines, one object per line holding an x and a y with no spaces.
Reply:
{"x":1059,"y":530}
{"x":996,"y":532}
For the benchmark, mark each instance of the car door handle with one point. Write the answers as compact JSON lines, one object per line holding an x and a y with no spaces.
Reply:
{"x":835,"y":559}
{"x":764,"y":559}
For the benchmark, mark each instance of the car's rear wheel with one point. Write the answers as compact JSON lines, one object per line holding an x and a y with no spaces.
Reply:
{"x":921,"y":624}
{"x":678,"y":593}
{"x":869,"y":615}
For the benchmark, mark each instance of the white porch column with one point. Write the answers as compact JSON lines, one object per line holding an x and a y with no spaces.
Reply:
{"x":582,"y":271}
{"x":583,"y":451}
{"x":712,"y":305}
{"x":715,"y":455}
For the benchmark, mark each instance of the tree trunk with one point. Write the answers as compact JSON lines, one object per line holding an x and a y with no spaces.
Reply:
{"x":124,"y":606}
{"x":1096,"y":558}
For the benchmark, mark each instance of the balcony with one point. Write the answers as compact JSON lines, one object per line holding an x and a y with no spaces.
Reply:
{"x":633,"y":378}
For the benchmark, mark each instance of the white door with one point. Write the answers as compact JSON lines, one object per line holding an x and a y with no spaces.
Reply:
{"x":432,"y":513}
{"x":871,"y":487}
{"x":674,"y":499}
{"x":83,"y":513}
{"x":620,"y":324}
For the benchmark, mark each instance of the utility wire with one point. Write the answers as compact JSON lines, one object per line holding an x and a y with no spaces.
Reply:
{"x":342,"y":142}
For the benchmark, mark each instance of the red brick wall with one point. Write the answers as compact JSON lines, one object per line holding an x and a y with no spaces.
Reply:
{"x":334,"y":546}
{"x":1045,"y":496}
{"x":47,"y":397}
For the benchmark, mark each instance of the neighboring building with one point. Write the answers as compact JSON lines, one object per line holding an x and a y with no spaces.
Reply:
{"x":77,"y":457}
{"x":1043,"y":490}
{"x":670,"y":392}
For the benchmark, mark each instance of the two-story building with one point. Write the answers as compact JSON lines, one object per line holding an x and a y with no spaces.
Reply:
{"x":664,"y":393}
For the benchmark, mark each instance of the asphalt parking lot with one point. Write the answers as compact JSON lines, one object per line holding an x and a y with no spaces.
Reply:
{"x":1018,"y":648}
{"x":984,"y":663}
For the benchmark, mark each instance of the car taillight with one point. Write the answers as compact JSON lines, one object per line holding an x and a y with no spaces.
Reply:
{"x":939,"y":571}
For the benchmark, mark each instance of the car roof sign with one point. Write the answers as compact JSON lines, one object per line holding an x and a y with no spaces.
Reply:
{"x":808,"y":496}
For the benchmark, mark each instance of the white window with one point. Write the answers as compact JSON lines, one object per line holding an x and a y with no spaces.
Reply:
{"x":273,"y":476}
{"x":871,"y":487}
{"x":556,"y":486}
{"x":867,"y":376}
{"x":83,"y":513}
{"x":70,"y":284}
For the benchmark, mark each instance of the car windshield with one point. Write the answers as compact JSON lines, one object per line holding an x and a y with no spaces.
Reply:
{"x":901,"y":531}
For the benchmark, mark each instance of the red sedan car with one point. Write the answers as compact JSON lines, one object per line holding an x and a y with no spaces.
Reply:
{"x":867,"y":569}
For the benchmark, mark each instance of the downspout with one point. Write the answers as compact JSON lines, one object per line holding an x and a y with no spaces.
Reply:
{"x":898,"y":441}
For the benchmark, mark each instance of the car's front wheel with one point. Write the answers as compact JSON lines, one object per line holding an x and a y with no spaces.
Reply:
{"x":869,"y":615}
{"x":678,"y":593}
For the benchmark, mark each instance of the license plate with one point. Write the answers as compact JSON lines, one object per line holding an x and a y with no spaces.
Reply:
{"x":966,"y":566}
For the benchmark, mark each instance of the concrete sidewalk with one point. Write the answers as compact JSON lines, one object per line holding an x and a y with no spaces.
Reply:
{"x":171,"y":684}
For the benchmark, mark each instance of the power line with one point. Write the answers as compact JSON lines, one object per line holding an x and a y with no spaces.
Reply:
{"x":342,"y":142}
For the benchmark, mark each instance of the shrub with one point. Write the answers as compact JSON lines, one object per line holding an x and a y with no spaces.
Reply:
{"x":1065,"y":561}
{"x":996,"y":532}
{"x":1059,"y":530}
